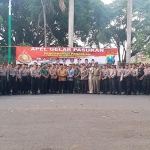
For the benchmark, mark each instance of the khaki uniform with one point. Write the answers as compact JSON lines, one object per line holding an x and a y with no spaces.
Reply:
{"x":96,"y":81}
{"x":90,"y":80}
{"x":62,"y":73}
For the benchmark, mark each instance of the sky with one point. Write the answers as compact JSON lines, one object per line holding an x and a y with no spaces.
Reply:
{"x":107,"y":1}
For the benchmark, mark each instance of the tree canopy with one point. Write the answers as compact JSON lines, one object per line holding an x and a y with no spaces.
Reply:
{"x":96,"y":23}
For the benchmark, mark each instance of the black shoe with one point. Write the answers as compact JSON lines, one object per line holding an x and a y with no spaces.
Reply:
{"x":114,"y":93}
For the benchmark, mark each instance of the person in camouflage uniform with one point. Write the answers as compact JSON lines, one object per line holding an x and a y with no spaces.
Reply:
{"x":77,"y":79}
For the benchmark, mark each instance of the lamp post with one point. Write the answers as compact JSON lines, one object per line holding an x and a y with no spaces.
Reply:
{"x":129,"y":30}
{"x":9,"y":32}
{"x":71,"y":23}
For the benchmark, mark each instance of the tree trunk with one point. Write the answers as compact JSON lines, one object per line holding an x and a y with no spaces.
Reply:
{"x":44,"y":16}
{"x":119,"y":52}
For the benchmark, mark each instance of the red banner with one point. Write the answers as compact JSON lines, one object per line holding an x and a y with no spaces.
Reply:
{"x":66,"y":55}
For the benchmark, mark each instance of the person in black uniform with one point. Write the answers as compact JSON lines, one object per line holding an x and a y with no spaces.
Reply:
{"x":139,"y":78}
{"x":44,"y":79}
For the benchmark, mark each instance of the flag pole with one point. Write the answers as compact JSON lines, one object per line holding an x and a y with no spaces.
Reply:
{"x":71,"y":23}
{"x":9,"y":33}
{"x":129,"y":30}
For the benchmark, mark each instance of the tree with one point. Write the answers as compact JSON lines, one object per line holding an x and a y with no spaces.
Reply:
{"x":1,"y":19}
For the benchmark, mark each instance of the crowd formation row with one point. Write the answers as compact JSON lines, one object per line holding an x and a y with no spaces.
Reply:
{"x":58,"y":78}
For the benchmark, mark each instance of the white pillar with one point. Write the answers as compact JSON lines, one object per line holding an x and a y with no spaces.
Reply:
{"x":71,"y":23}
{"x":129,"y":30}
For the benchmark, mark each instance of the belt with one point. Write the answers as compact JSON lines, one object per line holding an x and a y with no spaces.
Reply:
{"x":12,"y":75}
{"x":96,"y":75}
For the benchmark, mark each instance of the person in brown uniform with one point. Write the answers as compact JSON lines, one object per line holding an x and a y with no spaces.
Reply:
{"x":96,"y":79}
{"x":62,"y":74}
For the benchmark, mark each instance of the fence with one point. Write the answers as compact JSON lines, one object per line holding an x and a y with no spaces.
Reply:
{"x":4,"y":54}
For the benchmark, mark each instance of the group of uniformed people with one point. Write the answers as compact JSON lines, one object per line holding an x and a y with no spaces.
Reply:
{"x":74,"y":78}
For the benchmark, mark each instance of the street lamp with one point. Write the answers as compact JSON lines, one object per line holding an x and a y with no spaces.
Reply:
{"x":71,"y":23}
{"x":129,"y":30}
{"x":9,"y":32}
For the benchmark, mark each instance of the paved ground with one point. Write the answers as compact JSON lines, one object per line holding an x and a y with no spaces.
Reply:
{"x":75,"y":122}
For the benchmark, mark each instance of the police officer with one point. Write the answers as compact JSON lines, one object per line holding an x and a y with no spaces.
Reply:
{"x":145,"y":78}
{"x":77,"y":78}
{"x":96,"y":78}
{"x":35,"y":76}
{"x":44,"y":79}
{"x":134,"y":74}
{"x":139,"y":78}
{"x":84,"y":80}
{"x":53,"y":75}
{"x":127,"y":78}
{"x":62,"y":74}
{"x":120,"y":72}
{"x":104,"y":76}
{"x":12,"y":78}
{"x":70,"y":78}
{"x":3,"y":76}
{"x":112,"y":79}
{"x":23,"y":74}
